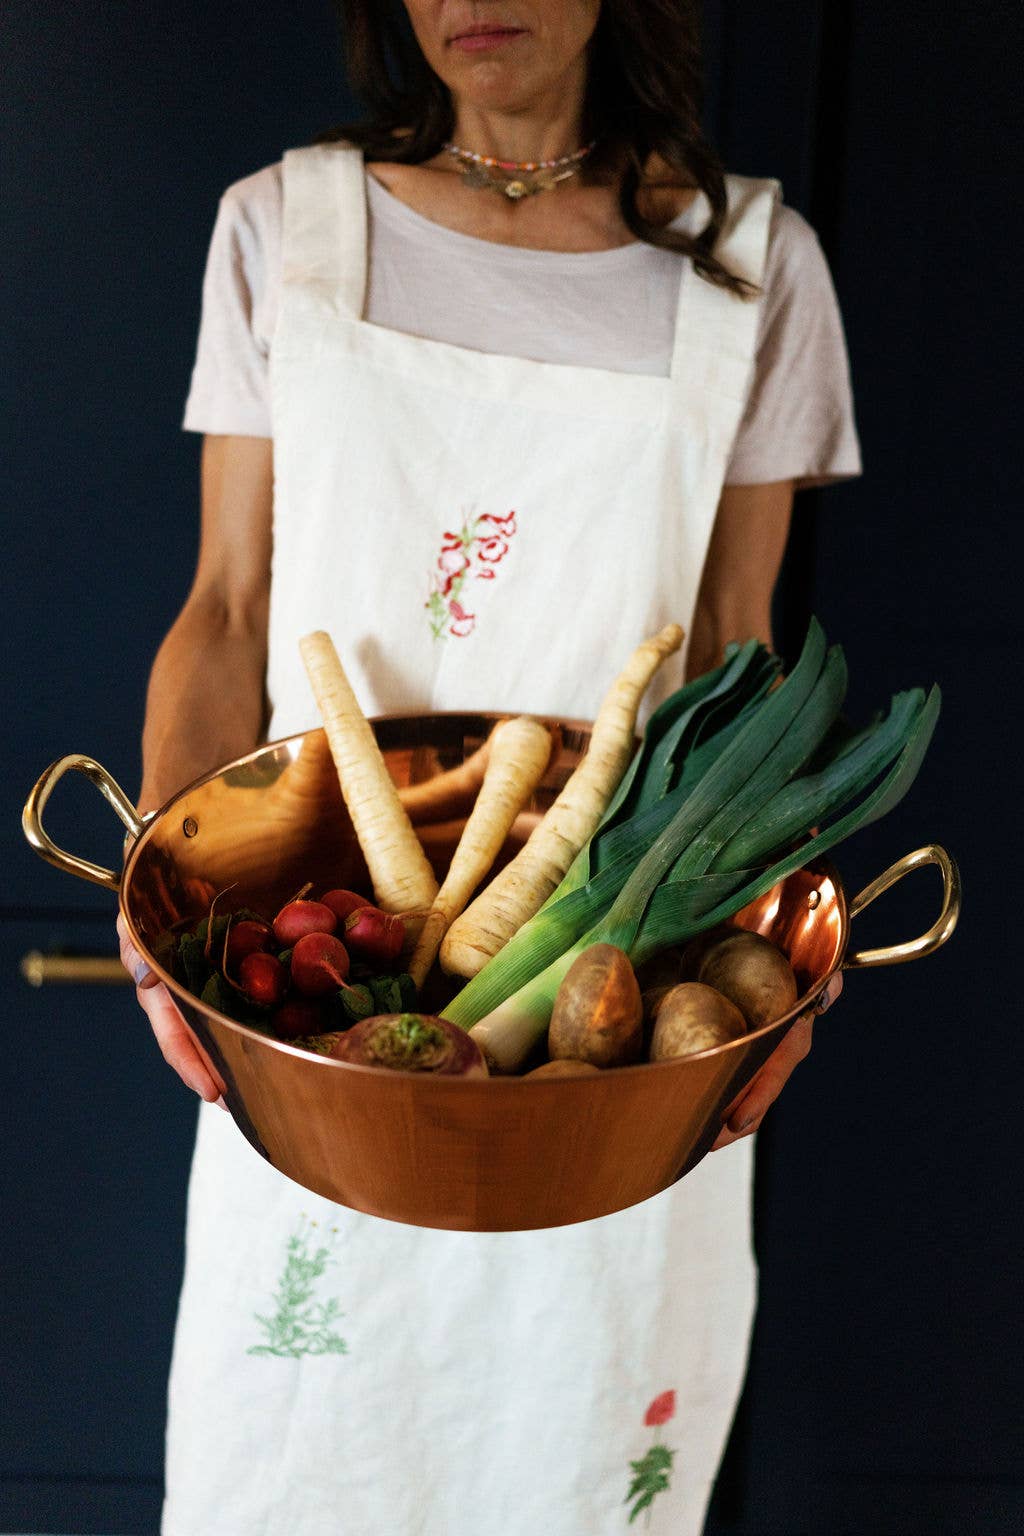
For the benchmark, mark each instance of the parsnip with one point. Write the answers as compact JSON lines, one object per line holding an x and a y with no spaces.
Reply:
{"x":402,"y":878}
{"x":519,"y":754}
{"x":525,"y":884}
{"x":447,"y":794}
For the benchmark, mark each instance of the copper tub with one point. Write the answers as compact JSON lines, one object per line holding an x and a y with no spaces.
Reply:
{"x":494,"y":1155}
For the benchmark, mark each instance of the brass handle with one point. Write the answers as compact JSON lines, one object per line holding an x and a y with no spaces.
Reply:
{"x":32,"y":817}
{"x":41,"y":970}
{"x":940,"y":930}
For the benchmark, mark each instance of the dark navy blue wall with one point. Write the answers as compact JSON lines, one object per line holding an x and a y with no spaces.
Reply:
{"x":123,"y":126}
{"x":882,"y":1398}
{"x":881,"y":1394}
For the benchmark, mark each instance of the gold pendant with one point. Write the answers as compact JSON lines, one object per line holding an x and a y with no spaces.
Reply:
{"x":518,"y":188}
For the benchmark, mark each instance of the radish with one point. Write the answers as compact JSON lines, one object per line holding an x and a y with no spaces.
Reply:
{"x":319,"y":964}
{"x":411,"y":1042}
{"x":298,"y":918}
{"x":246,"y":938}
{"x":374,"y":936}
{"x":342,"y":902}
{"x":296,"y":1017}
{"x":262,"y":978}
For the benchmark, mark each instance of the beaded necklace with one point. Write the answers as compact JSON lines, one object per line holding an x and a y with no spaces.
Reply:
{"x":516,"y":179}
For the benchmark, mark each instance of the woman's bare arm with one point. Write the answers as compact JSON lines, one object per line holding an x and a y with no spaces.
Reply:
{"x":742,"y":566}
{"x":206,"y":698}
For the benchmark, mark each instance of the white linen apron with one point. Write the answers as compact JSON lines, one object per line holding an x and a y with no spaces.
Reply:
{"x":475,"y":531}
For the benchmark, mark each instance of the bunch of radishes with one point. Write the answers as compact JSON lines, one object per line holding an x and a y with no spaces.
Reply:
{"x":291,"y":966}
{"x":318,"y":965}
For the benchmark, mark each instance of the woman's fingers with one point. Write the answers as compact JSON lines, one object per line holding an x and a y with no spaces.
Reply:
{"x":173,"y":1036}
{"x":747,"y":1115}
{"x":831,"y":992}
{"x":132,"y":961}
{"x":761,"y":1094}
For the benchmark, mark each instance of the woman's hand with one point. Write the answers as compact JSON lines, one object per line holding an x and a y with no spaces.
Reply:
{"x":177,"y":1043}
{"x":746,"y":1116}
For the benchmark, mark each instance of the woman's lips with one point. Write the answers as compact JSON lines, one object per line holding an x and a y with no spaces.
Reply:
{"x":480,"y":42}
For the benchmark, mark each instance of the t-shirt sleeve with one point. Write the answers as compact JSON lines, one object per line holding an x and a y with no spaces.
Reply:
{"x":229,"y":392}
{"x":798,"y":423}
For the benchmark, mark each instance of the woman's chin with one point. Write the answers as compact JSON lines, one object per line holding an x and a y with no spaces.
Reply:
{"x":493,"y":85}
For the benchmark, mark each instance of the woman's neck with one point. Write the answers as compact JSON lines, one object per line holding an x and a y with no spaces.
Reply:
{"x":545,"y":129}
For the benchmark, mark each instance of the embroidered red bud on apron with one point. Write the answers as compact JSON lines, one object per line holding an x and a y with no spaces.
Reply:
{"x":661,"y":1409}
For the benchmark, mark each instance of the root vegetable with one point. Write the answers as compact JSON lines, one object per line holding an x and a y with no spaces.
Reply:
{"x":246,"y":937}
{"x":524,"y":885}
{"x":373,"y":936}
{"x":402,"y":878}
{"x":411,"y":1042}
{"x":565,"y":1068}
{"x":692,"y":956}
{"x":447,"y":794}
{"x":693,"y":1017}
{"x":262,"y":978}
{"x":319,"y":964}
{"x":343,"y":902}
{"x":299,"y":918}
{"x":297,"y":1017}
{"x":753,"y":973}
{"x":597,"y":1015}
{"x":656,"y":977}
{"x":519,"y":753}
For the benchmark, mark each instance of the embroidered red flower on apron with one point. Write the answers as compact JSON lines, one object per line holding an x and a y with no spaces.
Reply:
{"x":469,"y":555}
{"x":651,"y":1473}
{"x":462,"y":623}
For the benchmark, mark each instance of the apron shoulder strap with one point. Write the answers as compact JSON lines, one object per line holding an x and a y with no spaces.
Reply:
{"x":716,"y":331}
{"x":324,"y":230}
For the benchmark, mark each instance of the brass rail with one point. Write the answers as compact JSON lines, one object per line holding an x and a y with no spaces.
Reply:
{"x":41,"y":970}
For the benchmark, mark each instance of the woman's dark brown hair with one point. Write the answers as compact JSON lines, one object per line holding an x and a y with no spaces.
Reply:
{"x":643,"y":100}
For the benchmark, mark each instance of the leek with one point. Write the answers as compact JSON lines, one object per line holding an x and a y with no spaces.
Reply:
{"x":714,"y":810}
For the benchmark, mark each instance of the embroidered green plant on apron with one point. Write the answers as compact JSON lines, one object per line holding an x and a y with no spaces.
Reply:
{"x":301,"y":1325}
{"x":651,"y":1472}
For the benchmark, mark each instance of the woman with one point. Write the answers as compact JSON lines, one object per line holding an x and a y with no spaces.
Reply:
{"x":518,"y":311}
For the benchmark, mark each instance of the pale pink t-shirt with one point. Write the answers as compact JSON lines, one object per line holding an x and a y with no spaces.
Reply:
{"x":596,"y":309}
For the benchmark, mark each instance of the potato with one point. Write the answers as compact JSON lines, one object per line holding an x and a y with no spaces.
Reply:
{"x":657,"y":976}
{"x":597,"y":1016}
{"x":693,"y":1017}
{"x":692,"y":954}
{"x":753,"y":973}
{"x":564,"y":1067}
